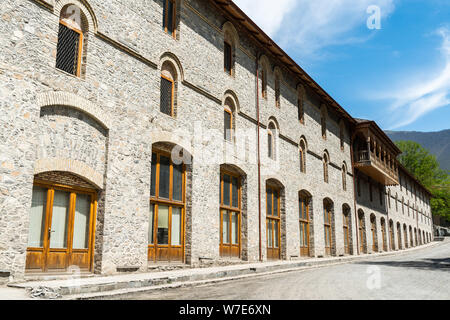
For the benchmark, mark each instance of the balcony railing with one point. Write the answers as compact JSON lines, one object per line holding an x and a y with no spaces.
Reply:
{"x":363,"y":156}
{"x":366,"y":158}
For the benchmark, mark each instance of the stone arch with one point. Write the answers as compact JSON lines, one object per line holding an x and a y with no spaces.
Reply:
{"x":283,"y":228}
{"x":231,"y":95}
{"x":91,"y":19}
{"x":233,"y":168}
{"x":230,"y":33}
{"x":71,"y":166}
{"x":175,"y":63}
{"x":329,"y":204}
{"x":346,"y":210}
{"x":309,"y":198}
{"x":67,"y":99}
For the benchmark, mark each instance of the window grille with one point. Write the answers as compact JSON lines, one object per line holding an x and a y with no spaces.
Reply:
{"x":166,"y":96}
{"x":68,"y":50}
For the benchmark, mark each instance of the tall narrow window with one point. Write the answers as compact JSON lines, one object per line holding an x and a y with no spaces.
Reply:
{"x":323,"y":122}
{"x":346,"y":229}
{"x":325,"y":168}
{"x":304,"y":225}
{"x":167,"y":90}
{"x":264,"y":83}
{"x":228,"y":57}
{"x":169,"y":17}
{"x":69,"y":48}
{"x":277,"y":91}
{"x":302,"y":157}
{"x":228,"y":125}
{"x":327,"y":221}
{"x":271,"y":141}
{"x":344,"y":178}
{"x":230,"y":214}
{"x":342,"y":135}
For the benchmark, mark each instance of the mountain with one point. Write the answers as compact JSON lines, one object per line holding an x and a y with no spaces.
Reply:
{"x":438,"y":143}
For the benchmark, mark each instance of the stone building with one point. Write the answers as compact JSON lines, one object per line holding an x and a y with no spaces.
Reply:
{"x":148,"y":133}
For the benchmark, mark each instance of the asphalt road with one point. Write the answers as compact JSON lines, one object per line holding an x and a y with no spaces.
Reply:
{"x":423,"y":274}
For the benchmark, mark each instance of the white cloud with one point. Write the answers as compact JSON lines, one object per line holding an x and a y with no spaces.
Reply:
{"x":414,"y":100}
{"x":310,"y":25}
{"x":267,"y":14}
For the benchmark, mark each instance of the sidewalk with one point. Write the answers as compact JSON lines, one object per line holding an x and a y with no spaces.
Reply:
{"x":126,"y":284}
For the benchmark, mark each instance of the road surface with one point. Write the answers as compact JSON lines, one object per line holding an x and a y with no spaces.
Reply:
{"x":421,"y":274}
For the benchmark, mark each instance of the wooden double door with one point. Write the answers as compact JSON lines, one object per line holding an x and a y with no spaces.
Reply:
{"x":61,"y":230}
{"x":273,"y":223}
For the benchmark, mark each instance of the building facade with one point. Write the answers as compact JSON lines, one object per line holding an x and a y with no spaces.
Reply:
{"x":137,"y":134}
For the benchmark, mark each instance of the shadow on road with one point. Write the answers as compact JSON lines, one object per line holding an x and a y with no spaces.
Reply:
{"x":424,"y":264}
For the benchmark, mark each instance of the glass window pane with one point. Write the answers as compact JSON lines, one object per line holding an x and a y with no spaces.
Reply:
{"x":269,"y":202}
{"x":275,"y":204}
{"x":226,"y":227}
{"x":37,"y":218}
{"x":227,"y":126}
{"x":164,"y":177}
{"x":269,"y":234}
{"x":60,"y":218}
{"x":235,"y":228}
{"x":153,"y":175}
{"x":163,"y":225}
{"x":177,"y":193}
{"x":226,"y":189}
{"x":81,"y":222}
{"x":176,"y":227}
{"x":276,"y":233}
{"x":235,"y":192}
{"x":151,"y":236}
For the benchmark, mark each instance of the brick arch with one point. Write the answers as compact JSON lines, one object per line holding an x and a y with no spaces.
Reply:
{"x":91,"y":19}
{"x":66,"y":99}
{"x":72,"y":166}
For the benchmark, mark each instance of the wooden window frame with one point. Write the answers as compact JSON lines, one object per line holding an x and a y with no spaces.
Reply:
{"x":344,"y":178}
{"x":156,"y":200}
{"x":304,"y":203}
{"x":174,"y":18}
{"x":230,"y":58}
{"x":271,"y":218}
{"x":80,"y":45}
{"x":172,"y":102}
{"x":231,"y":125}
{"x":230,"y":209}
{"x":327,"y":223}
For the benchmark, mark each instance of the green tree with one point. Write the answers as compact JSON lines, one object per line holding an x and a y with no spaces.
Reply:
{"x":426,"y":169}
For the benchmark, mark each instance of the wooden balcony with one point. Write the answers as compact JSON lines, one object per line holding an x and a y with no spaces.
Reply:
{"x":375,"y":168}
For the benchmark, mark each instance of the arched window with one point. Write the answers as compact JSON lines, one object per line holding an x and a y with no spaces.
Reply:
{"x":328,"y":221}
{"x":325,"y":167}
{"x":323,"y":121}
{"x":300,"y":104}
{"x":229,"y":111}
{"x":231,"y":42}
{"x":169,"y":17}
{"x":168,"y":89}
{"x":304,"y":221}
{"x":302,"y":156}
{"x":277,"y":90}
{"x":271,"y":141}
{"x":347,"y":228}
{"x":228,"y":57}
{"x":72,"y":41}
{"x":264,"y":82}
{"x":344,"y":177}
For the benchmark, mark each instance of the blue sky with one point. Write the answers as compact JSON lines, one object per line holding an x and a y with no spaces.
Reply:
{"x":398,"y":75}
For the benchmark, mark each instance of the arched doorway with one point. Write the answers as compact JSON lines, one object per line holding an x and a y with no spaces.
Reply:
{"x":405,"y":235}
{"x":391,"y":235}
{"x":62,"y":223}
{"x":383,"y":233}
{"x":399,"y":235}
{"x":347,"y":229}
{"x":373,"y":229}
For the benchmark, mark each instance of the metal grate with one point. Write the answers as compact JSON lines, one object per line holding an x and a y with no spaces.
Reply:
{"x":166,"y":96}
{"x":67,"y":56}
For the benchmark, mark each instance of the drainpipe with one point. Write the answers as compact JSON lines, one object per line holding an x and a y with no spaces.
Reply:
{"x":259,"y":157}
{"x":354,"y":194}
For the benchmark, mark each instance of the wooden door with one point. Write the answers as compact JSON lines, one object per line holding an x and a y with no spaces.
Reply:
{"x":346,"y":225}
{"x":374,"y":236}
{"x":383,"y":235}
{"x":362,"y":245}
{"x":327,"y":228}
{"x":62,"y":224}
{"x":273,"y":223}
